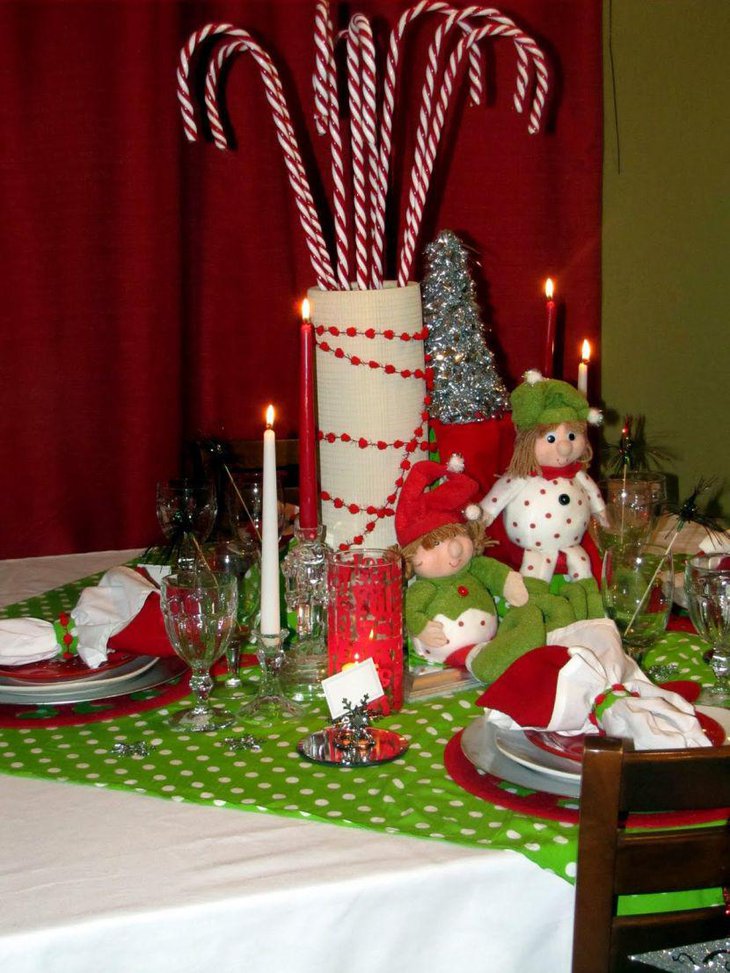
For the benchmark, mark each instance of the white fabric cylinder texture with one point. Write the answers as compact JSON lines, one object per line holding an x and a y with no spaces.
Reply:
{"x":367,"y":403}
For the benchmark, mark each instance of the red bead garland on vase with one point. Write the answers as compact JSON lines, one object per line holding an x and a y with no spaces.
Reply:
{"x":365,"y":618}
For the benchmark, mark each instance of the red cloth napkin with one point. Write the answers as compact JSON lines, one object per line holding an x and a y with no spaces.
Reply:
{"x":145,"y":634}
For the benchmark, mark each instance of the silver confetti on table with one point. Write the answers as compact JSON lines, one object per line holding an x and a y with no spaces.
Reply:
{"x":246,"y":742}
{"x":698,"y":956}
{"x":139,"y":749}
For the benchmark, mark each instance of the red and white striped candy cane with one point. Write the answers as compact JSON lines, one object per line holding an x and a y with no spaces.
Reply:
{"x":327,"y":121}
{"x":426,"y":142}
{"x":386,"y":124}
{"x":322,"y":26}
{"x":434,"y":116}
{"x":357,"y":146}
{"x":183,"y":72}
{"x":285,"y":134}
{"x":361,"y":33}
{"x":287,"y":139}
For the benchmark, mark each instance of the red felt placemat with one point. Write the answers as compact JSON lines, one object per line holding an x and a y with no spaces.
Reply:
{"x":549,"y":806}
{"x":32,"y":715}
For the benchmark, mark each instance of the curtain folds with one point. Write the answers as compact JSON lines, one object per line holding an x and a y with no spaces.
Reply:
{"x":151,"y":286}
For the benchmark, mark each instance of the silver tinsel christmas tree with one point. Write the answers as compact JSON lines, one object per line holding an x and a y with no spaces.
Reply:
{"x":466,"y":385}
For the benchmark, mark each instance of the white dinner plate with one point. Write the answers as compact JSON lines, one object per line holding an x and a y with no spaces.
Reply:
{"x":490,"y":748}
{"x":479,"y":748}
{"x":160,"y":671}
{"x":127,"y":670}
{"x":515,"y":745}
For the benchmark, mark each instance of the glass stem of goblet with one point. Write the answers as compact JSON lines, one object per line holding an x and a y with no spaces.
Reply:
{"x":233,"y":658}
{"x":720,"y":662}
{"x":201,"y":684}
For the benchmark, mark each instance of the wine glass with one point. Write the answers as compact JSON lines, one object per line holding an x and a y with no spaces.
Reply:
{"x":633,"y":502}
{"x":637,"y":586}
{"x":200,"y":614}
{"x":244,"y":498}
{"x":707,"y":586}
{"x":186,"y":511}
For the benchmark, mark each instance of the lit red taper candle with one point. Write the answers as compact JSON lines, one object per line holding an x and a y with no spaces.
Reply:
{"x":307,"y":438}
{"x":549,"y":362}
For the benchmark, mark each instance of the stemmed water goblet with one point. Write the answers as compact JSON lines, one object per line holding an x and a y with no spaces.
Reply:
{"x":199,"y":610}
{"x":707,"y":587}
{"x":186,"y":511}
{"x":633,"y":503}
{"x":637,"y":586}
{"x":244,"y":496}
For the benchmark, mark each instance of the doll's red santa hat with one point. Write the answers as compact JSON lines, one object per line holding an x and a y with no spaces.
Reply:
{"x":421,"y":509}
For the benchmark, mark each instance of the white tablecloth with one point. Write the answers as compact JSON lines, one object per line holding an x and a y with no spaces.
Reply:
{"x":98,"y":880}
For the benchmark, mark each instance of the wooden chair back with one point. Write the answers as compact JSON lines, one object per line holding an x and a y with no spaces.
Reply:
{"x":612,"y":861}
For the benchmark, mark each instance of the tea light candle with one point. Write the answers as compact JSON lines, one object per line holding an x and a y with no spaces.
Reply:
{"x":270,"y":614}
{"x":585,"y":357}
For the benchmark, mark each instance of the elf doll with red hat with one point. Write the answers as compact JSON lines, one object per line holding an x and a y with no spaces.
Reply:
{"x":449,"y":608}
{"x":546,"y":496}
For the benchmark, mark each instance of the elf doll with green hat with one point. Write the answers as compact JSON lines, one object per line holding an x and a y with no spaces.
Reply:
{"x":450,"y":611}
{"x":546,"y":496}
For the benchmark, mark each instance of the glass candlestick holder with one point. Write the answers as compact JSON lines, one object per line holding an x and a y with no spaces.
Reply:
{"x":270,"y":702}
{"x":305,"y":574}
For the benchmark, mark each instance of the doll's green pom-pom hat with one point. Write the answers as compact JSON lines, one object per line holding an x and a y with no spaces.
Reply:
{"x":540,"y":401}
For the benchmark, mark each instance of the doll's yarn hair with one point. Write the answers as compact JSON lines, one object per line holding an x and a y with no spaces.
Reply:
{"x":523,"y":462}
{"x":472,"y":528}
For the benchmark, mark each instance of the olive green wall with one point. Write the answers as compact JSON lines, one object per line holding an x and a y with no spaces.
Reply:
{"x":666,"y":228}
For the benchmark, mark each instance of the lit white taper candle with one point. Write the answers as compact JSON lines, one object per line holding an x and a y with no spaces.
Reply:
{"x":585,"y":357}
{"x":270,"y":616}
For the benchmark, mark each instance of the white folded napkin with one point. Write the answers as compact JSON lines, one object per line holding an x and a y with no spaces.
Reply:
{"x":106,"y":609}
{"x":595,"y":665}
{"x":25,"y":640}
{"x":716,"y":543}
{"x":101,"y":612}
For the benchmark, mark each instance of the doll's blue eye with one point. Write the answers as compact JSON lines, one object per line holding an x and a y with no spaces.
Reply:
{"x":550,"y":437}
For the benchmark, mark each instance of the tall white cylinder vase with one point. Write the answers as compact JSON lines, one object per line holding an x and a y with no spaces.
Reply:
{"x":371,"y":393}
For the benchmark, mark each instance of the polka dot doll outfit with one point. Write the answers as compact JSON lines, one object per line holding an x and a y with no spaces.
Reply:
{"x":546,"y":515}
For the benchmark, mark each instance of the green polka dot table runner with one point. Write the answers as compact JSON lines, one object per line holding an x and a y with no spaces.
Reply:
{"x":414,"y":795}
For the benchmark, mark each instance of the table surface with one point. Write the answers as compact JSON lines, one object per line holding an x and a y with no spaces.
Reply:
{"x":99,"y":879}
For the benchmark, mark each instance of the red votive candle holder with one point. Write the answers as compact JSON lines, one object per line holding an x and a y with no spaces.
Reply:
{"x":365,"y":618}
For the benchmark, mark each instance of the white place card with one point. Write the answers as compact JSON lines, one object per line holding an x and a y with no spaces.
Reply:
{"x":352,"y":684}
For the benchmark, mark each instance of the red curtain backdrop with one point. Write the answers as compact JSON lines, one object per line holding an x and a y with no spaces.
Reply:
{"x":151,"y":286}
